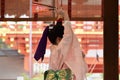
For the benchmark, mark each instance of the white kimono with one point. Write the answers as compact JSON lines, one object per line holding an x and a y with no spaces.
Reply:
{"x":67,"y":54}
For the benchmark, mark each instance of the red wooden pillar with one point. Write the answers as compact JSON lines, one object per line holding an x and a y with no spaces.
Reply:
{"x":70,"y":8}
{"x":2,"y":8}
{"x":36,"y":13}
{"x":111,"y":40}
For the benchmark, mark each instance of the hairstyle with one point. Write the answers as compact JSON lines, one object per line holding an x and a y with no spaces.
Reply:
{"x":52,"y":32}
{"x":55,"y":31}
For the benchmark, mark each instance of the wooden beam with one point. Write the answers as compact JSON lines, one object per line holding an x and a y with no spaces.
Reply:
{"x":51,"y":19}
{"x":28,"y":19}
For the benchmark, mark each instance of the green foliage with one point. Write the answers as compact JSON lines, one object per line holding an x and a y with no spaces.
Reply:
{"x":1,"y":27}
{"x":35,"y":77}
{"x":25,"y":76}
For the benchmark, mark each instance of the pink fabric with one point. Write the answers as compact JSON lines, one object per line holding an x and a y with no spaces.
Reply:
{"x":68,"y":54}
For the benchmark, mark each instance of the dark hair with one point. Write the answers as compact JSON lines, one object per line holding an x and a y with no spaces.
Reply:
{"x":55,"y":31}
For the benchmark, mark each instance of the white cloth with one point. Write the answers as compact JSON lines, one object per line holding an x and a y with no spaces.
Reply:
{"x":68,"y":52}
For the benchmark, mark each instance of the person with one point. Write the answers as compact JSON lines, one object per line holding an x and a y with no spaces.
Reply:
{"x":66,"y":59}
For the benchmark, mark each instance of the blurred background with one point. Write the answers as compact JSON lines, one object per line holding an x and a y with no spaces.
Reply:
{"x":19,"y":39}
